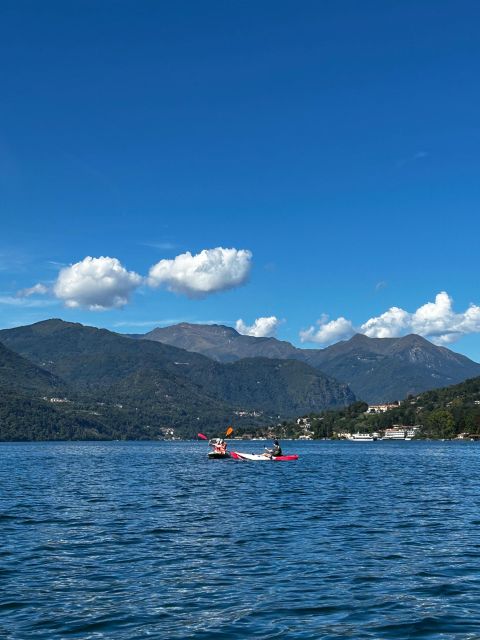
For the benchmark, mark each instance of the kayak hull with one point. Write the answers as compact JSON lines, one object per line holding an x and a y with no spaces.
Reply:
{"x":218,"y":456}
{"x":236,"y":455}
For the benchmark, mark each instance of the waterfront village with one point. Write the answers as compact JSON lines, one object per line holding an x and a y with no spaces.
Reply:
{"x":307,"y":427}
{"x":396,"y":432}
{"x":304,"y":427}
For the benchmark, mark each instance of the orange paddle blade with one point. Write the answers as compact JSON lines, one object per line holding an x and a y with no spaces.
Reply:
{"x":229,"y":431}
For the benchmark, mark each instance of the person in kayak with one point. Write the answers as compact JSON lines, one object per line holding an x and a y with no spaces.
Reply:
{"x":275,"y":451}
{"x":220,"y":446}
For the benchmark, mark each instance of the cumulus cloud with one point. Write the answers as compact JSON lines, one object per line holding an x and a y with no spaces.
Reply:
{"x":199,"y":275}
{"x":437,"y":318}
{"x":96,"y":283}
{"x":390,"y":324}
{"x":37,"y":290}
{"x":261,"y":328}
{"x":104,"y":283}
{"x":436,"y":321}
{"x":328,"y":331}
{"x":439,"y":321}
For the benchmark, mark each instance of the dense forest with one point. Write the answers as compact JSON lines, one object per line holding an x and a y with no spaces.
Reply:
{"x":23,"y":417}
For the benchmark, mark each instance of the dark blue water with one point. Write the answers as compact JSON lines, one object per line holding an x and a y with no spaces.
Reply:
{"x":152,"y":540}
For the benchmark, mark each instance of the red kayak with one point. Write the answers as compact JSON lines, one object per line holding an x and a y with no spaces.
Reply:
{"x":236,"y":455}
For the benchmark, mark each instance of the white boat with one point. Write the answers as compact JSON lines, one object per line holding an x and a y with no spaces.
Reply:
{"x":361,"y":437}
{"x":396,"y":433}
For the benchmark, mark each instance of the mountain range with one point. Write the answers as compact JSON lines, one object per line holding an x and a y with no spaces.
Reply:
{"x":375,"y":369}
{"x":65,"y":380}
{"x":143,"y":387}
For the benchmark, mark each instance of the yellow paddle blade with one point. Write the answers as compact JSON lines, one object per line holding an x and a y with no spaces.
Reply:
{"x":229,"y":431}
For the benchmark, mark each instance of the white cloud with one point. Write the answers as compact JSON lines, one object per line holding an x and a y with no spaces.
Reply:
{"x":261,"y":328}
{"x":415,"y":157}
{"x":207,"y":272}
{"x":15,"y":301}
{"x":470,"y":322}
{"x":390,"y":324}
{"x":37,"y":289}
{"x":327,"y":331}
{"x":436,"y":321}
{"x":164,"y":246}
{"x":435,"y":318}
{"x":96,"y":283}
{"x":380,"y":285}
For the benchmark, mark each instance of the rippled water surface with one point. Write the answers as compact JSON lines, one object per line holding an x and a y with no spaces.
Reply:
{"x":152,"y":540}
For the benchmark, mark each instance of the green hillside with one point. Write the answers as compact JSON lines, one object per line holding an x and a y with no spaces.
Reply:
{"x":440,"y":414}
{"x":20,"y":375}
{"x":139,"y":388}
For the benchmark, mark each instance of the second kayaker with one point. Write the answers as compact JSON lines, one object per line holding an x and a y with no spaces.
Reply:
{"x":275,"y":451}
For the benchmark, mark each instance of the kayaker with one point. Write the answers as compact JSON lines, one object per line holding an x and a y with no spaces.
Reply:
{"x":275,"y":451}
{"x":220,"y":446}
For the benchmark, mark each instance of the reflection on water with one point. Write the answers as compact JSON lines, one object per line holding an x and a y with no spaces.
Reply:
{"x":152,"y":540}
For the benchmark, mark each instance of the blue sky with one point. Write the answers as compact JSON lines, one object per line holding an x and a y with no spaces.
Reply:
{"x":336,"y":141}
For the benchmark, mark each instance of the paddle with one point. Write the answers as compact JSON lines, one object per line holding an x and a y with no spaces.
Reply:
{"x":201,"y":436}
{"x":228,"y":432}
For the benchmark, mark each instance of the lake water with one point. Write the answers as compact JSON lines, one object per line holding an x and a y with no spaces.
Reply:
{"x":152,"y":540}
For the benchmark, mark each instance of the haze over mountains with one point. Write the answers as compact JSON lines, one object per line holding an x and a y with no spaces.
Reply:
{"x":376,"y":369}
